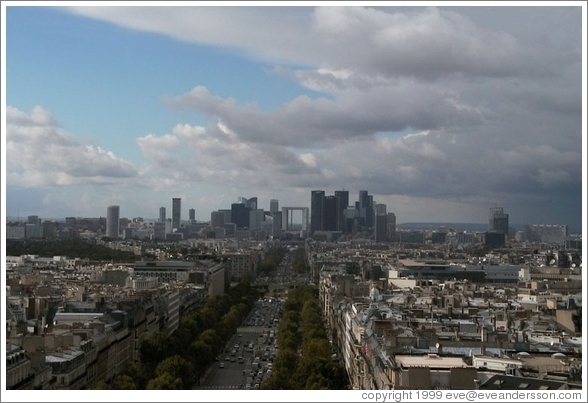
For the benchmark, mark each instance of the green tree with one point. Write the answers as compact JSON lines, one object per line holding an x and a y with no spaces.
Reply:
{"x":201,"y":355}
{"x":138,"y":376}
{"x":286,"y":360}
{"x":165,"y":381}
{"x":177,"y":367}
{"x":153,"y":350}
{"x":124,"y":382}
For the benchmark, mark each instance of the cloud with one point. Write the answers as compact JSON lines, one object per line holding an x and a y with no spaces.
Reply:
{"x":446,"y":105}
{"x":429,"y":43}
{"x":424,"y":42}
{"x":307,"y":122}
{"x":40,"y":153}
{"x":215,"y":154}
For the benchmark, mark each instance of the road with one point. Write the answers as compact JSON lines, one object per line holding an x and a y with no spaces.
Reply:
{"x":237,"y":374}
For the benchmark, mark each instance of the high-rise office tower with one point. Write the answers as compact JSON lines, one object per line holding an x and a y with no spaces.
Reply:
{"x":274,"y":206}
{"x":342,"y":197}
{"x":365,"y":206}
{"x":112,"y":221}
{"x":33,"y":228}
{"x":256,"y":219}
{"x":34,"y":219}
{"x":227,"y":213}
{"x":316,"y":210}
{"x":391,"y":226}
{"x":380,"y":230}
{"x":162,"y":214}
{"x":240,"y":215}
{"x":252,"y":203}
{"x":329,"y":214}
{"x":176,"y":212}
{"x":351,"y":216}
{"x":217,"y":219}
{"x":498,"y":221}
{"x":159,"y":230}
{"x":277,"y":225}
{"x":192,"y":214}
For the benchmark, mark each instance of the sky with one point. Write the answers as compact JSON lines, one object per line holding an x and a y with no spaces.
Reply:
{"x":438,"y":112}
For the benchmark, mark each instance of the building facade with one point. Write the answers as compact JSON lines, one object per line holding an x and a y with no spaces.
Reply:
{"x":176,"y":212}
{"x":112,"y":221}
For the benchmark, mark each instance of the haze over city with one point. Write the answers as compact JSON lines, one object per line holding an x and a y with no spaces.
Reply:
{"x":439,"y":112}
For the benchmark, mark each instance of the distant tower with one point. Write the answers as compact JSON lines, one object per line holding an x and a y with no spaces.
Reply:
{"x":274,"y":206}
{"x":176,"y":212}
{"x":112,"y":221}
{"x":217,"y":219}
{"x":380,"y":232}
{"x":391,"y":226}
{"x":342,"y":197}
{"x":239,"y":215}
{"x":162,"y":214}
{"x":329,"y":214}
{"x":277,"y":225}
{"x":192,"y":214}
{"x":366,"y":208}
{"x":316,"y":210}
{"x":498,"y":221}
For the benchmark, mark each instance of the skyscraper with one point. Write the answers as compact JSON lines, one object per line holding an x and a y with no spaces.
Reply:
{"x":329,"y":214}
{"x":391,"y":226}
{"x":366,"y":209}
{"x":176,"y":212}
{"x":112,"y":221}
{"x":192,"y":214}
{"x":240,"y":215}
{"x":277,"y":225}
{"x":162,"y":214}
{"x":342,"y":197}
{"x":217,"y":219}
{"x":274,"y":206}
{"x":498,"y":221}
{"x":380,"y":230}
{"x":316,"y":210}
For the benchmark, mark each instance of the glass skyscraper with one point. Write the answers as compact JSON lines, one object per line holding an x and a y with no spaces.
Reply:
{"x":176,"y":212}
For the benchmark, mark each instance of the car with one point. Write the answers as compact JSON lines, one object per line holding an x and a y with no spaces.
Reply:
{"x":256,"y":386}
{"x":227,"y":358}
{"x":221,"y":365}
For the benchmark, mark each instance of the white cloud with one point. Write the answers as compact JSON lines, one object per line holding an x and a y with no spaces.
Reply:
{"x":309,"y":159}
{"x":390,"y":41}
{"x":40,"y":153}
{"x":492,"y":113}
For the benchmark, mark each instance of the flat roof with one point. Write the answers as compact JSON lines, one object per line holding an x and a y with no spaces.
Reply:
{"x":430,"y":360}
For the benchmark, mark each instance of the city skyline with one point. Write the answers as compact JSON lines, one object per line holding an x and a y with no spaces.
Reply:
{"x":120,"y":107}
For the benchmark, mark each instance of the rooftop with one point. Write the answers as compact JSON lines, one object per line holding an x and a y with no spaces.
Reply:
{"x":430,"y":360}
